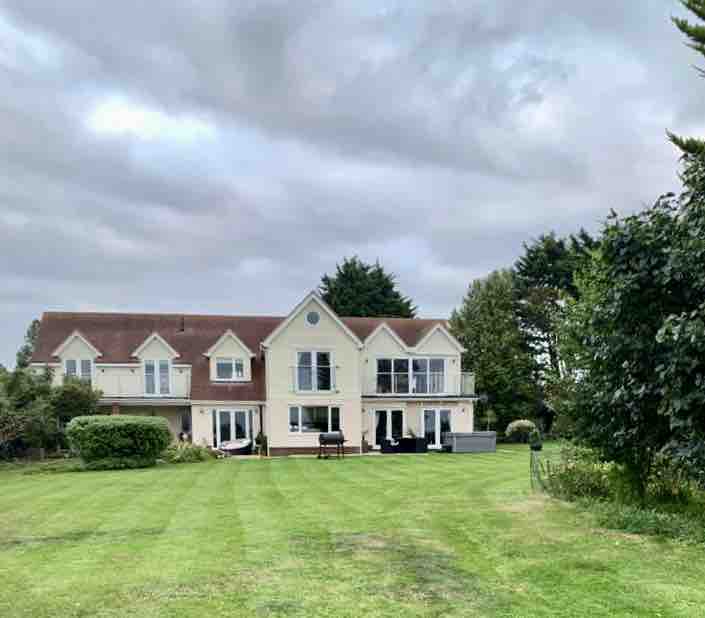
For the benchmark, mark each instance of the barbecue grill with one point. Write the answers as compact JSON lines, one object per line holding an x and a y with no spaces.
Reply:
{"x":331,"y":438}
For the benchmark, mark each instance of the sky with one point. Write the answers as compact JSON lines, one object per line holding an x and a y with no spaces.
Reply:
{"x":220,"y":157}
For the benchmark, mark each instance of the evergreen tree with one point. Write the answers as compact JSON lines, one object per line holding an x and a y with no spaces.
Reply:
{"x":695,"y":33}
{"x":24,"y":354}
{"x":358,"y":289}
{"x":496,"y":349}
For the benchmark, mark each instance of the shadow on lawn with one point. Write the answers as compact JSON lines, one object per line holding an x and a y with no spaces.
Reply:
{"x":408,"y":569}
{"x":77,"y":536}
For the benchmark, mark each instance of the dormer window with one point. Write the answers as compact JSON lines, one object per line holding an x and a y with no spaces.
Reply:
{"x":229,"y":369}
{"x":157,"y":377}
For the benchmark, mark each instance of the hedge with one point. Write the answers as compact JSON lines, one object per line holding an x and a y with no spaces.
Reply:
{"x":120,"y":441}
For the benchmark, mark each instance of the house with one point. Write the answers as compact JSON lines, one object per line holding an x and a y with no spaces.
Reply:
{"x":226,"y":377}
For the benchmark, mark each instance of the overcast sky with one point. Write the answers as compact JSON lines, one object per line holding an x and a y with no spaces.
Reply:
{"x":221,"y":156}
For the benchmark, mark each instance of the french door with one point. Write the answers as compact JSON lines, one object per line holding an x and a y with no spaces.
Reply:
{"x":231,"y":425}
{"x":436,"y":422}
{"x":389,"y":425}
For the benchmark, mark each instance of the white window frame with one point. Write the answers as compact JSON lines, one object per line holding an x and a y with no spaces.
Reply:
{"x":300,"y":406}
{"x":79,"y":373}
{"x":232,"y":413}
{"x":314,"y":370}
{"x":233,"y":361}
{"x":388,"y":434}
{"x":410,"y":372}
{"x":157,"y":377}
{"x":437,"y":423}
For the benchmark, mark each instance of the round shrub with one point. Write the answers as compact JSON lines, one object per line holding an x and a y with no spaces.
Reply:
{"x":519,"y":430}
{"x":113,"y":442}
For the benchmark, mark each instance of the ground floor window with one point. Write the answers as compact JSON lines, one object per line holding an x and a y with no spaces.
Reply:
{"x":389,"y":425}
{"x":231,"y":425}
{"x":314,"y":419}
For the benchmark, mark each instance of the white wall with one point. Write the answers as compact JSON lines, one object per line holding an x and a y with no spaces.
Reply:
{"x":281,"y":357}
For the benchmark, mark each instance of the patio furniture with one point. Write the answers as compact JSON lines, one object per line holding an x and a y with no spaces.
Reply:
{"x":404,"y":445}
{"x":236,"y":447}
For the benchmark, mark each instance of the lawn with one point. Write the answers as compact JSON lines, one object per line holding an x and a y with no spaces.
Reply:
{"x":416,"y":535}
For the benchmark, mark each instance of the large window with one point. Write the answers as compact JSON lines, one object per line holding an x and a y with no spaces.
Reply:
{"x":389,"y":425}
{"x":416,"y":375}
{"x":157,"y":377}
{"x":229,"y":369}
{"x":313,"y":371}
{"x":75,"y":368}
{"x":314,"y":419}
{"x":393,"y":375}
{"x":231,"y":425}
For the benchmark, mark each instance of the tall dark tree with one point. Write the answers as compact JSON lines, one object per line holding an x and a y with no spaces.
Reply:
{"x":496,"y":349}
{"x":695,"y":33}
{"x":544,"y":277}
{"x":24,"y":354}
{"x":358,"y":289}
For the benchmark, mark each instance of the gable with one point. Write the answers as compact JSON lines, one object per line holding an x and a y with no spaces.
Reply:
{"x":229,"y":344}
{"x":297,"y":321}
{"x":383,"y":341}
{"x":76,"y":346}
{"x":438,"y":341}
{"x":155,"y":347}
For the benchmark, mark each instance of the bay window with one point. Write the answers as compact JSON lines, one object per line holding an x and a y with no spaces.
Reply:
{"x":314,"y":419}
{"x":157,"y":377}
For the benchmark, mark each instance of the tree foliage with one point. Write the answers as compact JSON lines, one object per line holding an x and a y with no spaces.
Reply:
{"x":32,"y":409}
{"x":640,"y":332}
{"x":544,"y":277}
{"x":24,"y":354}
{"x":496,"y":348}
{"x":358,"y":289}
{"x":75,"y":397}
{"x":695,"y":33}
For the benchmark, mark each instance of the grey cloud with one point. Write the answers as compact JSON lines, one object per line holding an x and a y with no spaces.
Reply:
{"x":437,"y":137}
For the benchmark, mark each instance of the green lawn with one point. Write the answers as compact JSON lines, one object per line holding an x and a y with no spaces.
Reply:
{"x":418,"y":535}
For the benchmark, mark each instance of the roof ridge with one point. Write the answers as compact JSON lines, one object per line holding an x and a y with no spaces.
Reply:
{"x":99,"y":314}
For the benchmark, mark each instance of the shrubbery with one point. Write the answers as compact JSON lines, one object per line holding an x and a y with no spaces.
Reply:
{"x":672,"y":505}
{"x":519,"y":430}
{"x":579,"y":474}
{"x":186,"y":452}
{"x":112,"y":442}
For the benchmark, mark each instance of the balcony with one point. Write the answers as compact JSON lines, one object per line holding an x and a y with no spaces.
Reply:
{"x":426,"y":385}
{"x":308,"y":379}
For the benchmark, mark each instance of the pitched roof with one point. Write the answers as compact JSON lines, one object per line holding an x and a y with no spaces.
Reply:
{"x":118,"y":335}
{"x":411,"y":331}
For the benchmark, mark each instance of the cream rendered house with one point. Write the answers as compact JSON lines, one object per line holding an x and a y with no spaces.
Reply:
{"x":220,"y":378}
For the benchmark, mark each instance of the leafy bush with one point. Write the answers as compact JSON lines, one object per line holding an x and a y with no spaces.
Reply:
{"x":519,"y":430}
{"x":579,"y":474}
{"x":109,"y":442}
{"x":683,"y":524}
{"x":669,"y":484}
{"x":186,"y":452}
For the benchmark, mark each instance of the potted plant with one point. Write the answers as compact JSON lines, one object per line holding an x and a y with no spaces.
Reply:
{"x":535,"y":441}
{"x":261,"y":444}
